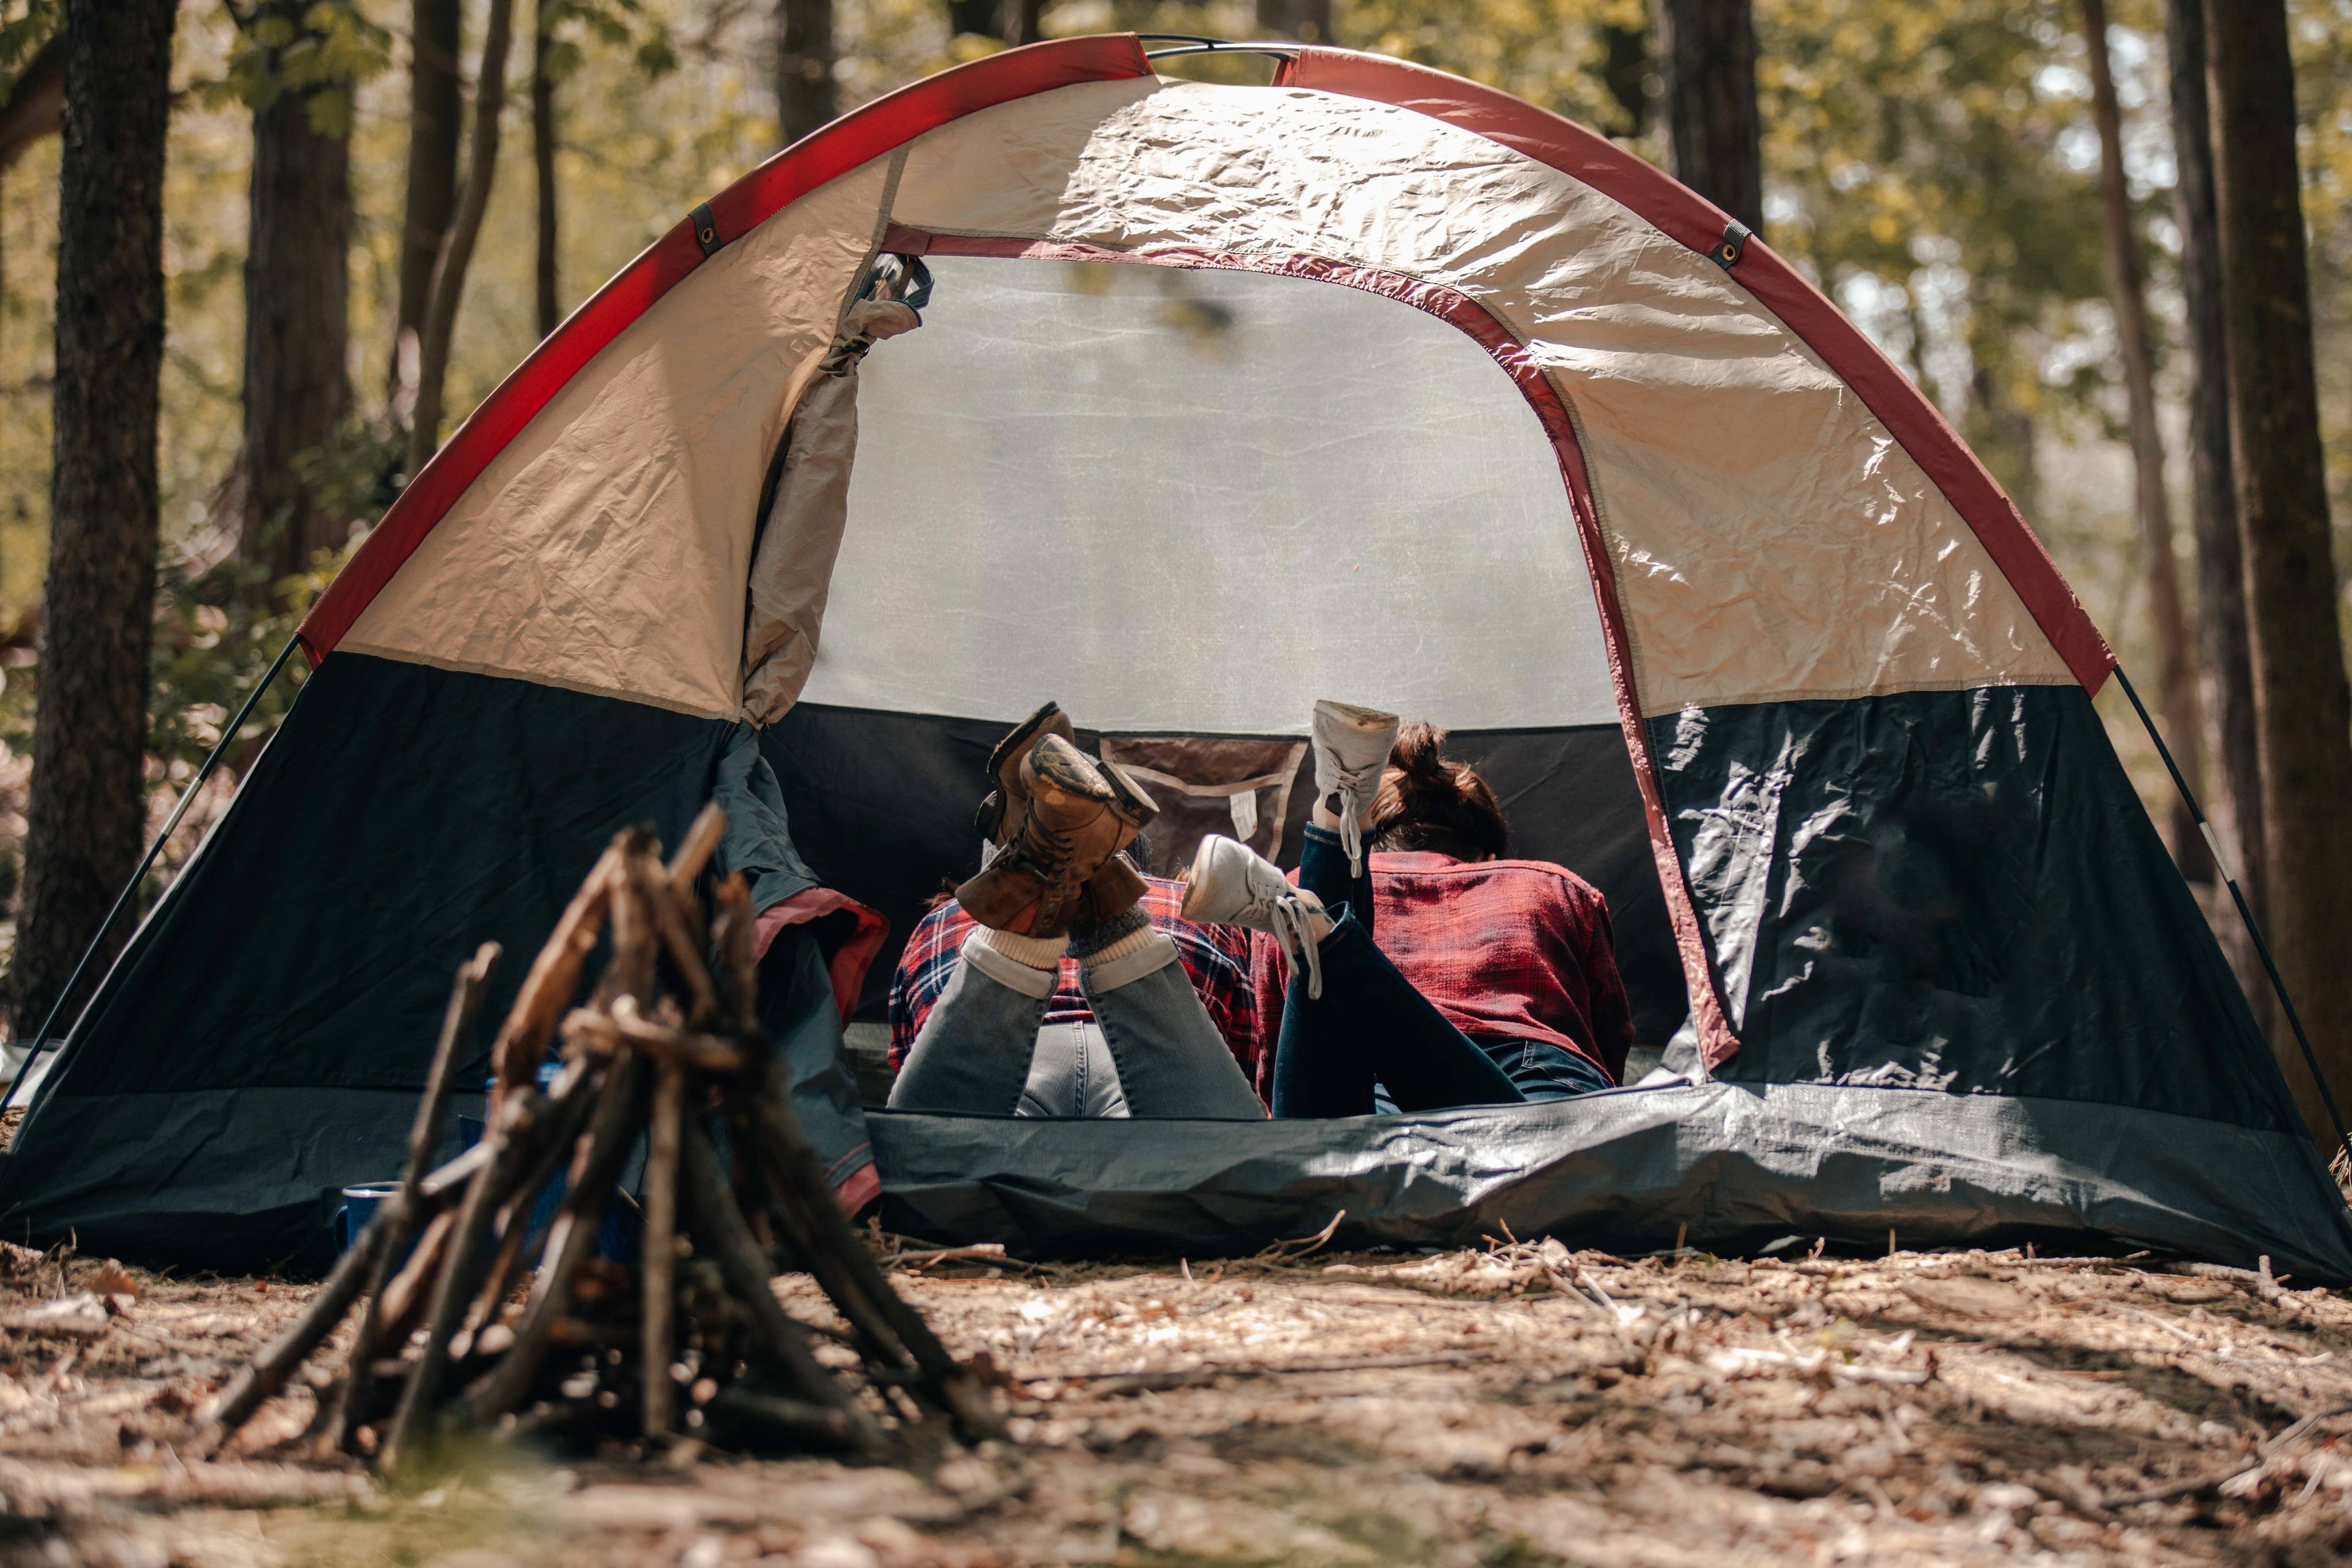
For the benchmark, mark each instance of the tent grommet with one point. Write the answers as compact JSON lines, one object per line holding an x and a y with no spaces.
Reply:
{"x":705,"y":229}
{"x":1725,"y":251}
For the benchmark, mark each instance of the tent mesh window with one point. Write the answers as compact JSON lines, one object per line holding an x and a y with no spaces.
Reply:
{"x":1187,"y":502}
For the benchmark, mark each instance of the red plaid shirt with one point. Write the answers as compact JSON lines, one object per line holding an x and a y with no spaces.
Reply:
{"x":1216,"y":957}
{"x":1505,"y":949}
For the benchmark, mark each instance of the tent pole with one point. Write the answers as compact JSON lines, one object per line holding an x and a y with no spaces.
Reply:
{"x":131,"y":888}
{"x":2245,"y":910}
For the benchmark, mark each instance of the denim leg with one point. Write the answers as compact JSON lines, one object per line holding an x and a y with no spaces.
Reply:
{"x":1370,"y":1024}
{"x":1072,"y":1074}
{"x":973,"y":1050}
{"x":1323,"y":871}
{"x":1172,"y":1061}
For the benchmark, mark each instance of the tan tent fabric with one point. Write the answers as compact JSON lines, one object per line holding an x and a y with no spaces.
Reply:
{"x":793,"y":568}
{"x":606,"y":548}
{"x":1771,"y":540}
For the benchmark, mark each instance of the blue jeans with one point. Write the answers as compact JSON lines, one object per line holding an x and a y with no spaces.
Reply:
{"x":1371,"y":1031}
{"x":975,"y":1051}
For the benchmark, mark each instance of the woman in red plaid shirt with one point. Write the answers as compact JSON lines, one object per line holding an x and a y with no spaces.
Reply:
{"x":1494,"y":982}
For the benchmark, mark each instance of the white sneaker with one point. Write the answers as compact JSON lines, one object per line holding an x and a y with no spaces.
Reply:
{"x":1233,"y":884}
{"x":1351,"y":750}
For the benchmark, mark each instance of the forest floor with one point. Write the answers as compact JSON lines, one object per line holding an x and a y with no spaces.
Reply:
{"x":1518,"y":1405}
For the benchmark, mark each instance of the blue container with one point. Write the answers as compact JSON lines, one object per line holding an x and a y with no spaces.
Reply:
{"x":360,"y":1204}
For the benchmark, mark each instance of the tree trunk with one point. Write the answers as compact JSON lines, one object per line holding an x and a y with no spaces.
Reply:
{"x":436,"y":113}
{"x":296,"y":322}
{"x":805,"y":93}
{"x":1625,"y":72}
{"x":543,"y":157}
{"x":1306,"y":21}
{"x":465,"y":228}
{"x":2235,"y":792}
{"x":35,"y":102}
{"x":2303,"y":708}
{"x":965,"y":17}
{"x":88,"y":810}
{"x":2177,"y":711}
{"x":1714,"y":142}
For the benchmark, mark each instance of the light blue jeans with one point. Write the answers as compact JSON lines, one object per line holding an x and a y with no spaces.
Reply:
{"x":974,"y":1050}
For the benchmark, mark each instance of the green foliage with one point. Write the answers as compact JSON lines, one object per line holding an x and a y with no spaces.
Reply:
{"x":1556,"y":53}
{"x":321,"y":49}
{"x":1937,"y":145}
{"x":617,"y":25}
{"x":25,"y":26}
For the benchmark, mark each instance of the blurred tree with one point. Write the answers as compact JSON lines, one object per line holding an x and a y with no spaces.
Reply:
{"x":34,"y":103}
{"x":2224,"y":655}
{"x":1308,"y":21}
{"x":547,"y":252}
{"x":298,"y":65}
{"x":554,"y":56}
{"x":465,"y":229}
{"x":806,"y":92}
{"x":2302,"y":701}
{"x":1626,"y":67}
{"x":970,"y":16}
{"x":435,"y":117}
{"x":87,"y":811}
{"x":1714,"y":142}
{"x":32,"y":93}
{"x":2176,"y":706}
{"x":1917,"y":148}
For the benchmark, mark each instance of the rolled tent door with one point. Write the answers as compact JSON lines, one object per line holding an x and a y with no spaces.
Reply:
{"x":800,"y":532}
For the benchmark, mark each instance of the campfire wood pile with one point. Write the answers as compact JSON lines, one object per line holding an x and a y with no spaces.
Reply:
{"x":689,"y":1341}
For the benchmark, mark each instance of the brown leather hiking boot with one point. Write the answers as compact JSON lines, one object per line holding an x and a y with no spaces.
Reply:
{"x":1075,"y":816}
{"x":1000,"y":813}
{"x":1115,"y":889}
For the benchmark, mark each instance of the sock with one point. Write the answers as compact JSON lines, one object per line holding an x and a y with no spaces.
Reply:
{"x":1113,"y":938}
{"x":1032,"y":952}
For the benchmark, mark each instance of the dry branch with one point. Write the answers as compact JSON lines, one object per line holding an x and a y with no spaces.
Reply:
{"x":555,"y":979}
{"x":670,"y":1031}
{"x":397,"y":1219}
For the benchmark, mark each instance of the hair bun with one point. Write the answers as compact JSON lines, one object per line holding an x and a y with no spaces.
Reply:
{"x":1419,"y":755}
{"x":1430,"y":802}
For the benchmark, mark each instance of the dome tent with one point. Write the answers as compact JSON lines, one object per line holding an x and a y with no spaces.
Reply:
{"x":1370,"y":383}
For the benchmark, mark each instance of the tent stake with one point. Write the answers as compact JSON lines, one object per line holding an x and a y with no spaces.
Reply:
{"x":2245,"y":910}
{"x":131,"y":888}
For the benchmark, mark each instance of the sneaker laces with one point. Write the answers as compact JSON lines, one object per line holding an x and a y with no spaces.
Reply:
{"x":1355,"y":788}
{"x":1291,"y":918}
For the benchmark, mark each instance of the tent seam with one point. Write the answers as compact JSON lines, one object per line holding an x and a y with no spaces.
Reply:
{"x":479,"y":667}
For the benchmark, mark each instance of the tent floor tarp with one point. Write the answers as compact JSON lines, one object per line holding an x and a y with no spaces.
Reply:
{"x":1728,"y":1168}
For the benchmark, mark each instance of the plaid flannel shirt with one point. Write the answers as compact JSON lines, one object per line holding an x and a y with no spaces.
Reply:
{"x":1505,"y":949}
{"x":1216,"y":957}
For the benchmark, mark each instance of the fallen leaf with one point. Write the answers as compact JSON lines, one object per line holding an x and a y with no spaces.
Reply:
{"x":113,"y":1280}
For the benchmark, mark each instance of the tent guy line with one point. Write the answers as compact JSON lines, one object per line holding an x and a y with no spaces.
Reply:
{"x":2245,"y":910}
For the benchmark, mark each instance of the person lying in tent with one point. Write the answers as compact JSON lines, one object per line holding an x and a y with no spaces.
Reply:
{"x":1353,"y":1023}
{"x":1493,"y":980}
{"x":1132,"y":1009}
{"x":1071,"y":1072}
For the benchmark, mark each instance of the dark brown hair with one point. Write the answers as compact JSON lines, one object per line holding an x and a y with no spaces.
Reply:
{"x":1428,"y":801}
